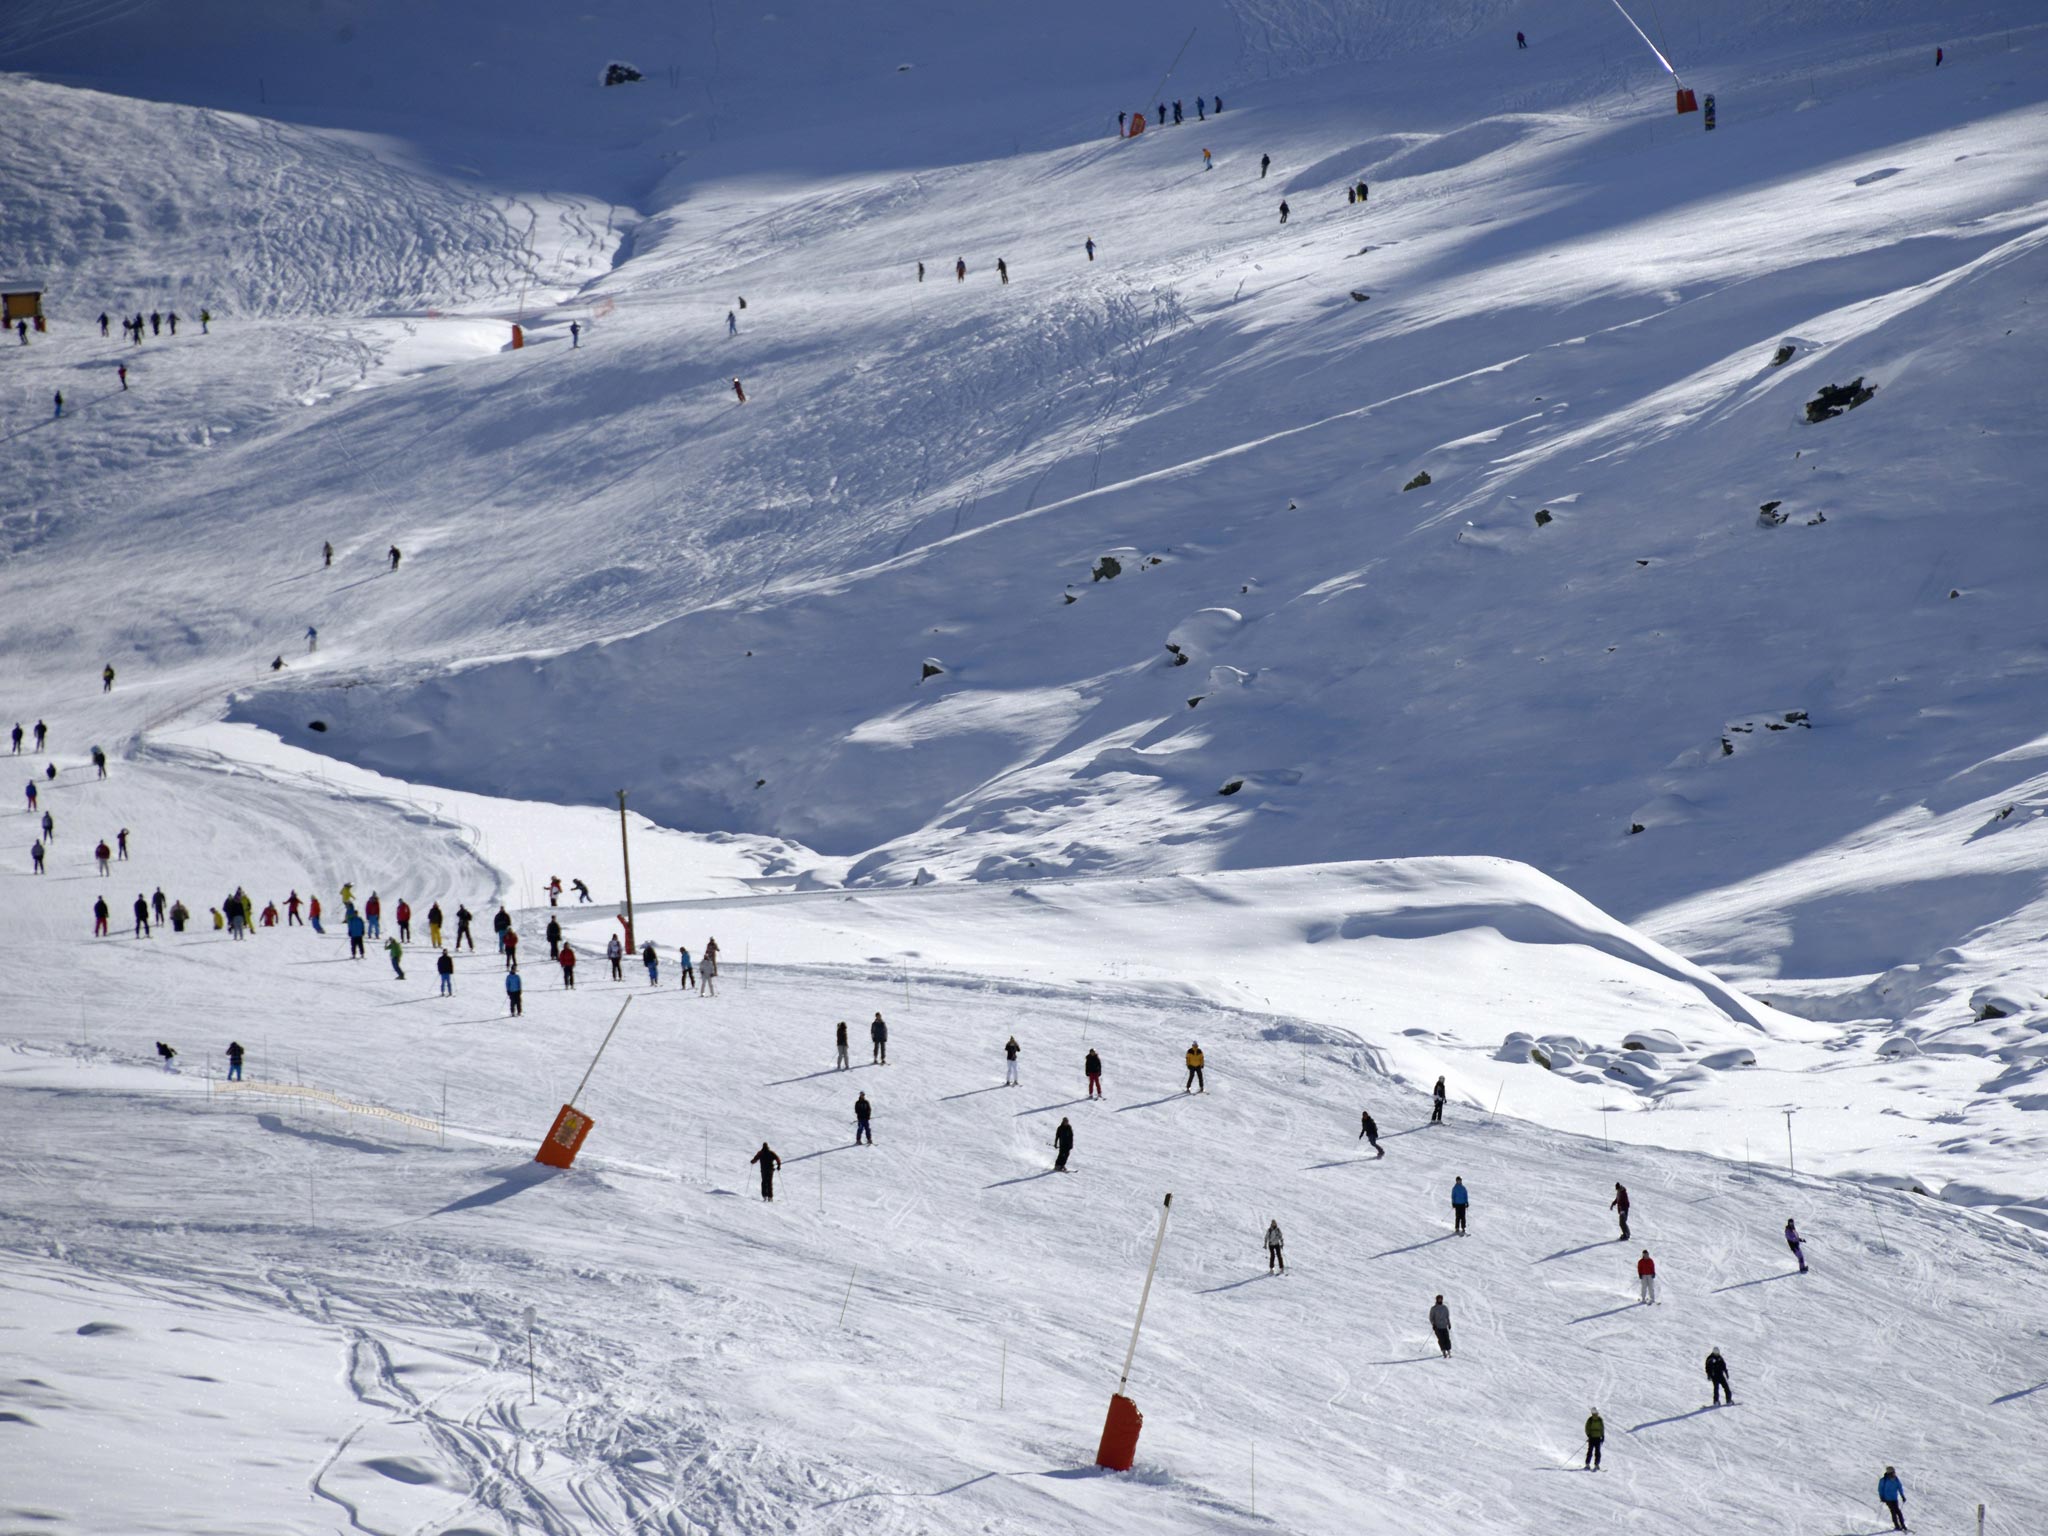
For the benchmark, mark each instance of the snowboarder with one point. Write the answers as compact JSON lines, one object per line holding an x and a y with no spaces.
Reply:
{"x":397,"y":953}
{"x":840,"y":1062}
{"x":1002,"y":269}
{"x":567,"y":960}
{"x":575,"y":335}
{"x":445,"y":969}
{"x":1440,"y":1323}
{"x":1283,"y":210}
{"x":1369,"y":1131}
{"x":1195,"y":1060}
{"x":1091,"y":1064}
{"x":1090,"y":245}
{"x":1062,"y":1145}
{"x":1891,"y":1493}
{"x":141,"y":916}
{"x":689,"y":978}
{"x":769,"y":1163}
{"x":1596,"y":1436}
{"x":393,"y":553}
{"x":326,"y":553}
{"x":1274,"y":1259}
{"x":1010,"y":1049}
{"x":1717,"y":1373}
{"x":1208,"y":162}
{"x":732,"y":324}
{"x":652,"y":961}
{"x":463,"y":918}
{"x":616,"y":953}
{"x":878,"y":1033}
{"x":1796,"y":1243}
{"x":862,"y":1111}
{"x":1265,"y":165}
{"x":404,"y":916}
{"x":167,"y":1054}
{"x":235,"y":1053}
{"x":99,"y":917}
{"x":1436,"y":1113}
{"x":515,"y":992}
{"x":107,"y":678}
{"x":1460,"y":1201}
{"x":1646,"y":1278}
{"x":553,"y":932}
{"x":1619,"y":1205}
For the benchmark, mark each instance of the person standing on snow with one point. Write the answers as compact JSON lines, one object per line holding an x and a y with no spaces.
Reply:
{"x":356,"y":929}
{"x":99,"y":917}
{"x":510,"y":940}
{"x":104,"y":855}
{"x":404,"y":916}
{"x":1091,"y":1065}
{"x":862,"y":1131}
{"x":1208,"y":163}
{"x":42,"y":731}
{"x":1090,"y":247}
{"x":312,"y":639}
{"x":1196,"y":1061}
{"x":1891,"y":1493}
{"x":769,"y":1164}
{"x":1596,"y":1436}
{"x":689,"y":976}
{"x":180,"y":916}
{"x":920,"y":271}
{"x":103,"y":323}
{"x":141,"y":916}
{"x":1369,"y":1131}
{"x":121,"y":373}
{"x":652,"y":961}
{"x":393,"y":553}
{"x":35,"y":857}
{"x":1265,"y":165}
{"x":1717,"y":1373}
{"x":17,"y":738}
{"x":515,"y":993}
{"x":313,"y":915}
{"x":1646,"y":1278}
{"x":575,"y":335}
{"x":291,"y":909}
{"x":567,"y":960}
{"x":1461,"y":1200}
{"x":616,"y":953}
{"x":235,"y":1053}
{"x":156,"y":902}
{"x":840,"y":1061}
{"x":1521,"y":41}
{"x":960,"y":270}
{"x":1363,"y":191}
{"x":1619,"y":1205}
{"x":373,"y":910}
{"x":739,"y":392}
{"x":732,"y":324}
{"x":1002,"y":269}
{"x":707,"y":973}
{"x":1283,"y":210}
{"x":1010,"y":1049}
{"x":107,"y":678}
{"x":445,"y":969}
{"x":397,"y":953}
{"x":1274,"y":1259}
{"x":463,"y":918}
{"x":878,"y":1033}
{"x":553,"y":933}
{"x":1436,"y":1113}
{"x":30,"y":791}
{"x":1176,"y":114}
{"x":326,"y":553}
{"x":1062,"y":1145}
{"x":554,"y":890}
{"x":1796,"y":1243}
{"x":1440,"y":1324}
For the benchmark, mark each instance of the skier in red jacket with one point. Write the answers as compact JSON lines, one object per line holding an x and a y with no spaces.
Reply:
{"x":1646,"y":1277}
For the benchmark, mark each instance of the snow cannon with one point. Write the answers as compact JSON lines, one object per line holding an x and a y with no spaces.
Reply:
{"x":1119,"y":1445}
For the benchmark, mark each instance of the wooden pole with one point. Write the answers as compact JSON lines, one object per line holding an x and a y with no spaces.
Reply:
{"x":626,"y":862}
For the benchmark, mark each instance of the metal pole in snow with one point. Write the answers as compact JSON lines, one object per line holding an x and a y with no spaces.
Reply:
{"x":1146,"y":1294}
{"x":600,"y":1051}
{"x":1003,"y":1380}
{"x":527,"y":1318}
{"x":849,"y":1295}
{"x":1789,"y":1168}
{"x":1255,"y":1477}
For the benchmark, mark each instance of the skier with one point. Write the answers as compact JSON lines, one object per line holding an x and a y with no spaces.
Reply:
{"x":1217,"y":103}
{"x":707,"y":974}
{"x":575,"y":335}
{"x":1201,"y":114}
{"x":1891,"y":1493}
{"x":356,"y":930}
{"x":1351,"y":194}
{"x":156,"y":902}
{"x":463,"y":918}
{"x":17,"y":738}
{"x":1091,"y":1064}
{"x":509,"y":941}
{"x":1619,"y":1205}
{"x":1796,"y":1243}
{"x":553,"y":932}
{"x":878,"y":1033}
{"x":312,"y":639}
{"x":1283,"y":210}
{"x":567,"y":960}
{"x":167,"y":1054}
{"x":99,"y":761}
{"x":920,"y":271}
{"x":373,"y":913}
{"x":404,"y":916}
{"x":235,"y":1053}
{"x":35,"y":856}
{"x":103,"y":322}
{"x":862,"y":1131}
{"x":1176,"y":114}
{"x":206,"y":319}
{"x":180,"y":916}
{"x":172,"y":318}
{"x":156,"y":322}
{"x":141,"y":916}
{"x":1274,"y":1260}
{"x":840,"y":1061}
{"x":121,"y":373}
{"x":326,"y":553}
{"x":1596,"y":1436}
{"x":270,"y":914}
{"x":1002,"y":269}
{"x":1062,"y":1145}
{"x":739,"y":392}
{"x":291,"y":909}
{"x":769,"y":1163}
{"x":515,"y":993}
{"x":1208,"y":164}
{"x":42,"y":730}
{"x":1265,"y":165}
{"x":99,"y":917}
{"x":500,"y":921}
{"x":960,"y":270}
{"x":1195,"y":1060}
{"x":1121,"y":119}
{"x":1717,"y":1373}
{"x":104,"y":855}
{"x":1369,"y":1131}
{"x":121,"y":845}
{"x":393,"y":553}
{"x":1363,"y":191}
{"x":445,"y":968}
{"x":689,"y":978}
{"x":397,"y":953}
{"x":1460,"y":1201}
{"x":616,"y":953}
{"x":1436,"y":1113}
{"x":554,"y":890}
{"x":107,"y":678}
{"x":732,"y":324}
{"x":313,"y":915}
{"x":1646,"y":1278}
{"x":1091,"y":256}
{"x":1440,"y":1321}
{"x":652,"y":961}
{"x":1521,"y":41}
{"x":30,"y":791}
{"x":582,"y":892}
{"x":1010,"y":1049}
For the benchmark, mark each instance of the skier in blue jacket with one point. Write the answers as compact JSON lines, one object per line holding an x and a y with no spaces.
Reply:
{"x":356,"y":928}
{"x":1459,"y":1200}
{"x":1891,"y":1493}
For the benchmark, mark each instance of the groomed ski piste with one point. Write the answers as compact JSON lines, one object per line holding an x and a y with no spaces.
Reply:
{"x":1058,"y":659}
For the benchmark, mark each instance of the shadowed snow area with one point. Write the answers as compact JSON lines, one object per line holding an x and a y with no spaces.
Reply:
{"x":1567,"y":624}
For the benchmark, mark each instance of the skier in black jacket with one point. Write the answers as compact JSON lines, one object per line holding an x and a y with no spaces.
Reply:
{"x":1063,"y":1145}
{"x":862,"y":1112}
{"x":769,"y":1163}
{"x":1368,"y":1131}
{"x":1717,"y":1373}
{"x":878,"y":1032}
